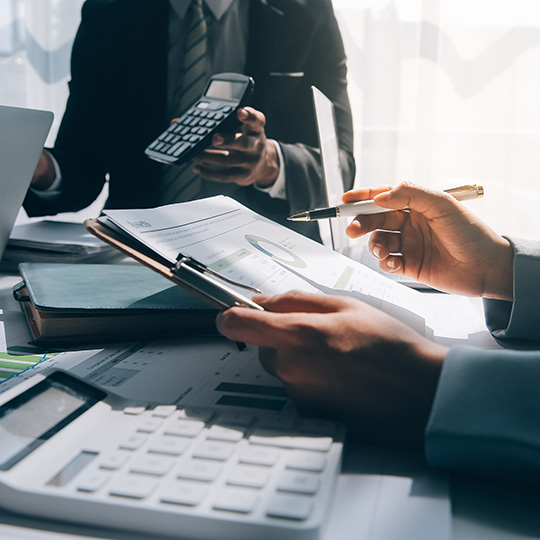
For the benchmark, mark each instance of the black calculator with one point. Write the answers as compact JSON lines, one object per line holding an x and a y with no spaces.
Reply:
{"x":214,"y":112}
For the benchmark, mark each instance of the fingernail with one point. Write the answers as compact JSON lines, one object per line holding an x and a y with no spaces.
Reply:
{"x":218,"y":140}
{"x":376,"y":251}
{"x":393,"y":264}
{"x":242,"y":114}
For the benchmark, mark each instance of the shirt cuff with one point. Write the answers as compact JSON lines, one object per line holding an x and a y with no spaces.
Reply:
{"x":277,"y":190}
{"x":55,"y":189}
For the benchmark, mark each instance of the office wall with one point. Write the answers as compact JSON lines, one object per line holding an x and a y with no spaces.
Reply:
{"x":443,"y":91}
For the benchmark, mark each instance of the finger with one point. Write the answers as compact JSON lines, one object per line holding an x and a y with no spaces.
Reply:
{"x":363,"y":194}
{"x":302,"y":302}
{"x":238,"y":142}
{"x":389,"y":221}
{"x":393,"y":264}
{"x":253,"y":120}
{"x":261,"y":328}
{"x":383,"y":243}
{"x":429,"y":202}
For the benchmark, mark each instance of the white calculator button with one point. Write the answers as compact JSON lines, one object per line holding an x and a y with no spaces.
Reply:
{"x":172,"y":446}
{"x":201,"y":470}
{"x":222,"y":433}
{"x":150,"y":425}
{"x":259,"y":455}
{"x":163,"y":411}
{"x":235,"y":418}
{"x":184,"y":428}
{"x":253,"y":477}
{"x":219,"y":451}
{"x":135,"y":410}
{"x":134,"y":442}
{"x":289,"y":507}
{"x":114,"y":461}
{"x":304,"y":483}
{"x":134,"y":487}
{"x":273,"y":438}
{"x":306,"y":461}
{"x":183,"y":493}
{"x":235,"y":500}
{"x":153,"y":465}
{"x":93,"y":482}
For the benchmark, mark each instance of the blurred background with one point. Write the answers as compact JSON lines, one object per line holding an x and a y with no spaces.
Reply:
{"x":444,"y":92}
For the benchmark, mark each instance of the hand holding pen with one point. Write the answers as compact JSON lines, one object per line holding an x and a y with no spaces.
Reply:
{"x":436,"y":241}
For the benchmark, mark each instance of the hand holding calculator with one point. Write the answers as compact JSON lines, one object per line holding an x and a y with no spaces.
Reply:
{"x":216,"y":111}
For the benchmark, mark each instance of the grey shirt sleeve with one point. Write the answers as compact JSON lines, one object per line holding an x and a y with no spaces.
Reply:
{"x":486,"y":413}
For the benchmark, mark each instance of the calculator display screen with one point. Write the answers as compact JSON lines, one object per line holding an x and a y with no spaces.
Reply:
{"x":226,"y":90}
{"x":34,"y":416}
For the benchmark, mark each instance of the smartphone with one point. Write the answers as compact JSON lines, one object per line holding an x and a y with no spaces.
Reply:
{"x":214,"y":112}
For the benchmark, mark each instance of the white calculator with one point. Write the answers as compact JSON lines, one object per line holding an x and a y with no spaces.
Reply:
{"x":70,"y":451}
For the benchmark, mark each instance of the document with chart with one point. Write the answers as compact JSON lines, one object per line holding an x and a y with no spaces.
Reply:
{"x":236,"y":243}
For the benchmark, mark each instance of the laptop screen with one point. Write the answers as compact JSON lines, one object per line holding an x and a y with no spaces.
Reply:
{"x":22,"y":135}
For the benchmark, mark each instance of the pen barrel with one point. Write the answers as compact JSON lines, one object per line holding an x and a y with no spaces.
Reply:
{"x":363,"y":208}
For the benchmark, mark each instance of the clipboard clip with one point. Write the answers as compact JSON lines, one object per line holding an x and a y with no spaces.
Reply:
{"x":182,"y":261}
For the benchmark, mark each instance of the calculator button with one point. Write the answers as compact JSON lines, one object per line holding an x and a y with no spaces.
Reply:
{"x":164,"y":411}
{"x":134,"y":442}
{"x":234,"y":500}
{"x":222,"y":433}
{"x":157,"y":149}
{"x":200,"y":131}
{"x":134,"y":487}
{"x":183,"y":493}
{"x":275,"y":438}
{"x":150,"y":425}
{"x":93,"y":482}
{"x":175,"y":147}
{"x":134,"y":410}
{"x":307,"y":484}
{"x":152,"y":465}
{"x":289,"y":507}
{"x":169,"y":137}
{"x":184,"y":428}
{"x":306,"y":461}
{"x":258,"y":455}
{"x":193,"y":138}
{"x":201,"y":470}
{"x":218,"y":451}
{"x":253,"y":477}
{"x":218,"y":116}
{"x":226,"y":109}
{"x":181,"y":147}
{"x":114,"y":461}
{"x":173,"y":446}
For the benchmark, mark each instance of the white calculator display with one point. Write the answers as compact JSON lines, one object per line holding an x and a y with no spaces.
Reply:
{"x":70,"y":451}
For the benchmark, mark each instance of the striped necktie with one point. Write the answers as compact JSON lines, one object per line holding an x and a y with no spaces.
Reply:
{"x":179,"y":183}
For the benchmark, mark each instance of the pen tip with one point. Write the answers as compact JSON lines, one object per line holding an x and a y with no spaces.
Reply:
{"x":302,"y":216}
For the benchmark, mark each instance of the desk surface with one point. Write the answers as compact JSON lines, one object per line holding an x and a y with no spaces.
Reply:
{"x":480,"y":510}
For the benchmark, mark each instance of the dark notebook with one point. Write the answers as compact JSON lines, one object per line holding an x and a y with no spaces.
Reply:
{"x":89,"y":303}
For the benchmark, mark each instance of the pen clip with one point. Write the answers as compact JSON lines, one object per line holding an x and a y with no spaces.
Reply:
{"x":181,"y":260}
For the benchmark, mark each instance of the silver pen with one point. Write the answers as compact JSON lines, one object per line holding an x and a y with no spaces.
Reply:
{"x":364,"y":208}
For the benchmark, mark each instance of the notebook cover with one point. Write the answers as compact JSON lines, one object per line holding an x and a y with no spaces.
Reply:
{"x":99,"y":287}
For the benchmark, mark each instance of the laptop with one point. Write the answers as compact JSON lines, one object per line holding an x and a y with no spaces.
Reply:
{"x":332,"y":230}
{"x":22,"y":135}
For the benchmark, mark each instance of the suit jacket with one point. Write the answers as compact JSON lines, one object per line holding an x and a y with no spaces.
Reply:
{"x":485,"y":417}
{"x":117,"y":103}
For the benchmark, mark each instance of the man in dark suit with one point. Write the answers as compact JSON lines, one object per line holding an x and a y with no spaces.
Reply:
{"x":118,"y":103}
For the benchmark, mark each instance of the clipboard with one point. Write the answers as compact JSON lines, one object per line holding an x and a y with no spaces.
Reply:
{"x":186,"y":272}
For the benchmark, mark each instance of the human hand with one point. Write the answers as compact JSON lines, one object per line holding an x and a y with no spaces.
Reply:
{"x":243,"y":158}
{"x":437,"y":241}
{"x":44,"y":174}
{"x":342,"y":358}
